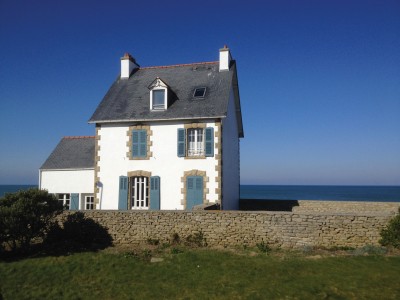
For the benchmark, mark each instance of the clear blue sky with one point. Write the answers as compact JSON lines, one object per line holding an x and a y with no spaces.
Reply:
{"x":319,"y":80}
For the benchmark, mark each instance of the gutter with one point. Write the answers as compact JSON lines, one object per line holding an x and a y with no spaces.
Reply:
{"x":70,"y":169}
{"x":152,"y":120}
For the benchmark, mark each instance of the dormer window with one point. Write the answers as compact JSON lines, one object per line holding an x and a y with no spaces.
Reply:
{"x":158,"y":95}
{"x":158,"y":99}
{"x":199,"y":92}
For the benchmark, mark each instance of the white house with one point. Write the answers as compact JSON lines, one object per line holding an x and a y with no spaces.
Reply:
{"x":166,"y":138}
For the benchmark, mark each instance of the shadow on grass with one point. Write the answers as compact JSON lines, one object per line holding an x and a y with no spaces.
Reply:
{"x":267,"y":204}
{"x":77,"y":233}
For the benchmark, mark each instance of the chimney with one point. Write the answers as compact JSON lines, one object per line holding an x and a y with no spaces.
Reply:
{"x":224,"y":59}
{"x":128,"y":64}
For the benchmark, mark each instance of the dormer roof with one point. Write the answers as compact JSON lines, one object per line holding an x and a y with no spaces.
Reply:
{"x":157,"y":83}
{"x":128,"y":100}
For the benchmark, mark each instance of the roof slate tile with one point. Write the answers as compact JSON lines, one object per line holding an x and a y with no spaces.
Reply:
{"x":129,"y":99}
{"x":72,"y":153}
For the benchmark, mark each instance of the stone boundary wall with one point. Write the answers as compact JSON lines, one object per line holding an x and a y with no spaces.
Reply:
{"x":346,"y":206}
{"x":239,"y":228}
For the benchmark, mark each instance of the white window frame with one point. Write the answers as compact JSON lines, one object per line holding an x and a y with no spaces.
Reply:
{"x":90,"y":203}
{"x":164,"y":107}
{"x":195,"y":142}
{"x":66,"y":199}
{"x":139,"y":192}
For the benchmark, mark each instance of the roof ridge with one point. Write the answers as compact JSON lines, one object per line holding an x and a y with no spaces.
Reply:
{"x":181,"y":65}
{"x":80,"y":137}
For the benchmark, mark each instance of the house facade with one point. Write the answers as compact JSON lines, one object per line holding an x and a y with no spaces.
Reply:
{"x":166,"y":138}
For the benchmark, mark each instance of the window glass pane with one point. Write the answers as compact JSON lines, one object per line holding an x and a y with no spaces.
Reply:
{"x":158,"y":98}
{"x":195,"y":142}
{"x":200,"y":92}
{"x":89,"y":202}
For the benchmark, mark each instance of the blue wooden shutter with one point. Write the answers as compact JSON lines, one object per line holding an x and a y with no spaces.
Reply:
{"x":135,"y":143}
{"x":181,"y":142}
{"x":142,"y":143}
{"x":209,"y":141}
{"x":139,"y":143}
{"x":123,"y":193}
{"x":194,"y":191}
{"x":155,"y":193}
{"x":74,"y":205}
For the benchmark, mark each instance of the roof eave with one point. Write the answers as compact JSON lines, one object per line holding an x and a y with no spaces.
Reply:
{"x":68,"y":169}
{"x":235,"y":85}
{"x":154,"y":120}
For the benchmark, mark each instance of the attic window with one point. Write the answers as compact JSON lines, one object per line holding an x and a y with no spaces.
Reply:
{"x":199,"y":92}
{"x":158,"y":99}
{"x":158,"y":95}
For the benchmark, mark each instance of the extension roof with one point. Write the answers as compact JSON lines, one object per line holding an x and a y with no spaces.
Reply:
{"x":72,"y":152}
{"x":128,"y":99}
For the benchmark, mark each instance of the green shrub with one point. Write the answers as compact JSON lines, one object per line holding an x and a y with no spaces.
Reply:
{"x":176,"y":250}
{"x":26,"y":215}
{"x":154,"y":242}
{"x":370,"y":250}
{"x":391,"y":234}
{"x":263,"y":247}
{"x":175,"y":239}
{"x":196,"y":240}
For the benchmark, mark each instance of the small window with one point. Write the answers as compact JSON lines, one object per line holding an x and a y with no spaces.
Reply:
{"x":158,"y":99}
{"x":89,"y":202}
{"x":199,"y":92}
{"x":65,"y":199}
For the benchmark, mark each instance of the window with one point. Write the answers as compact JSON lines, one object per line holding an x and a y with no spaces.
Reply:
{"x":196,"y":142}
{"x":65,"y":199}
{"x":139,"y":192}
{"x":158,"y":95}
{"x":139,"y":143}
{"x":158,"y":102}
{"x":89,"y":202}
{"x":199,"y":92}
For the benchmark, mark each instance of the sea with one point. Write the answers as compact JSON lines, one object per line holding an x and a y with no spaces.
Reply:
{"x":14,"y":188}
{"x":293,"y":192}
{"x":321,"y":192}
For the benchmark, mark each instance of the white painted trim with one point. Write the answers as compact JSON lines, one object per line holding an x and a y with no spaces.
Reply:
{"x":165,"y":98}
{"x":40,"y":179}
{"x":72,"y":169}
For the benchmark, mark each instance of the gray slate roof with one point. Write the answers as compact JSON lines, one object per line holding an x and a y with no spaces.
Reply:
{"x":129,"y":99}
{"x":72,"y":153}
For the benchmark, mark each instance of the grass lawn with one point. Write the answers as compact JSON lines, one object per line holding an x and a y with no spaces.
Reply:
{"x":201,"y":274}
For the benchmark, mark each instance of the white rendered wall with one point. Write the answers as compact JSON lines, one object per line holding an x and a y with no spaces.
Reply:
{"x":68,"y":181}
{"x":230,"y":159}
{"x":164,"y":163}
